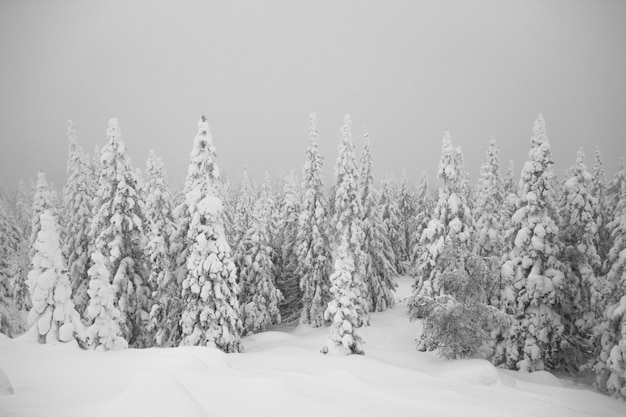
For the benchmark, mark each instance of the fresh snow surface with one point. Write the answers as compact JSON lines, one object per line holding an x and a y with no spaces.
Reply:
{"x":283,"y":373}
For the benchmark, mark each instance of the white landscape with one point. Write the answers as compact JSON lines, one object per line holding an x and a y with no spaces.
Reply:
{"x":282,"y":373}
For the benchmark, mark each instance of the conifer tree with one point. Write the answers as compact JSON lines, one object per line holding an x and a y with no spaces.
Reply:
{"x":451,"y":221}
{"x":118,"y":232}
{"x":425,"y":207}
{"x":379,"y":263}
{"x":348,"y":223}
{"x":407,"y":207}
{"x":10,"y":323}
{"x":489,"y":212}
{"x":165,"y":314}
{"x":532,"y":274}
{"x":312,"y":243}
{"x":391,"y":222}
{"x":577,"y":233}
{"x":287,"y":279}
{"x":211,"y":310}
{"x":243,"y":209}
{"x":259,"y":297}
{"x":78,"y":197}
{"x":610,"y":365}
{"x":21,"y":259}
{"x":600,"y":214}
{"x":52,"y":313}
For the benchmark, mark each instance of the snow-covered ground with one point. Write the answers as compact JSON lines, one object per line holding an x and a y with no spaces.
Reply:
{"x":282,"y":373}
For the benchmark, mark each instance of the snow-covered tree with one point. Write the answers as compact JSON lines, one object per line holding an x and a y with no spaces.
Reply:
{"x":379,"y":264}
{"x":287,"y":279}
{"x":52,"y":313}
{"x":78,"y":197}
{"x":489,"y":210}
{"x":211,"y":310}
{"x":532,"y":274}
{"x":610,"y":366}
{"x":424,"y":208}
{"x":348,"y":221}
{"x":165,"y":313}
{"x":313,"y":243}
{"x":342,"y":309}
{"x":10,"y":322}
{"x":259,"y":297}
{"x":602,"y":239}
{"x":451,"y":221}
{"x":243,"y":209}
{"x":407,"y":207}
{"x":118,"y":260}
{"x":577,"y":233}
{"x":391,"y":221}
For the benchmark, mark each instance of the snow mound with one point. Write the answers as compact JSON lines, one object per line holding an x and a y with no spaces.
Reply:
{"x":154,"y":394}
{"x":262,"y":341}
{"x":472,"y":371}
{"x":538,"y":377}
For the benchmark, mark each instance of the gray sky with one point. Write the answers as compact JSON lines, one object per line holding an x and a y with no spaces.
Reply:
{"x":406,"y":69}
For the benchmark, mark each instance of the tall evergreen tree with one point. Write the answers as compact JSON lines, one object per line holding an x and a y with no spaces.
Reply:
{"x":259,"y":297}
{"x":287,"y":279}
{"x":600,"y":214}
{"x":532,"y":274}
{"x":348,"y":223}
{"x":165,"y":314}
{"x":243,"y":209}
{"x":312,"y":243}
{"x":424,"y":208}
{"x":52,"y":313}
{"x":407,"y":206}
{"x":78,"y":197}
{"x":10,"y":322}
{"x":379,"y":262}
{"x":118,"y":233}
{"x":211,"y":309}
{"x":391,"y":222}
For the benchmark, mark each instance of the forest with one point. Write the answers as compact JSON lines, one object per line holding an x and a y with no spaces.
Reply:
{"x":526,"y":271}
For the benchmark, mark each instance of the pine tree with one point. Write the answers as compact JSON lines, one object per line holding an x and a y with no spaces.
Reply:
{"x":342,"y":310}
{"x":166,"y":311}
{"x":77,"y":205}
{"x":610,"y":365}
{"x":379,"y":263}
{"x":577,"y":234}
{"x":407,"y":206}
{"x":312,"y":243}
{"x":287,"y":279}
{"x":451,"y":221}
{"x":600,"y":214}
{"x":211,"y":309}
{"x":489,"y":212}
{"x":391,"y":221}
{"x":532,"y":274}
{"x":243,"y":208}
{"x":425,"y":207}
{"x":259,"y":297}
{"x":348,"y":224}
{"x":118,"y":233}
{"x":21,"y":259}
{"x":10,"y":323}
{"x":52,"y":313}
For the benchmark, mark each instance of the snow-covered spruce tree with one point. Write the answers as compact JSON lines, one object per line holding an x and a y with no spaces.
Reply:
{"x":532,"y":275}
{"x":287,"y":279}
{"x":407,"y":207}
{"x":489,"y":211}
{"x":342,"y":309}
{"x":246,"y":197}
{"x":379,"y":264}
{"x":391,"y":221}
{"x":610,"y":366}
{"x":21,"y":259}
{"x":577,"y":233}
{"x":78,"y":197}
{"x":259,"y":297}
{"x":10,"y":322}
{"x":211,"y":309}
{"x":602,"y":239}
{"x":348,"y":221}
{"x":164,"y":324}
{"x":118,"y":235}
{"x":451,"y":221}
{"x":424,"y":209}
{"x":313,"y":243}
{"x":52,"y":313}
{"x":510,"y":185}
{"x":464,"y":181}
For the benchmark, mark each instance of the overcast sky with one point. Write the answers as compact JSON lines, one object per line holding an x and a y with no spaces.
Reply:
{"x":407,"y":69}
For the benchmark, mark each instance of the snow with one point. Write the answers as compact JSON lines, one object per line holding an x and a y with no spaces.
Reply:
{"x":282,"y":373}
